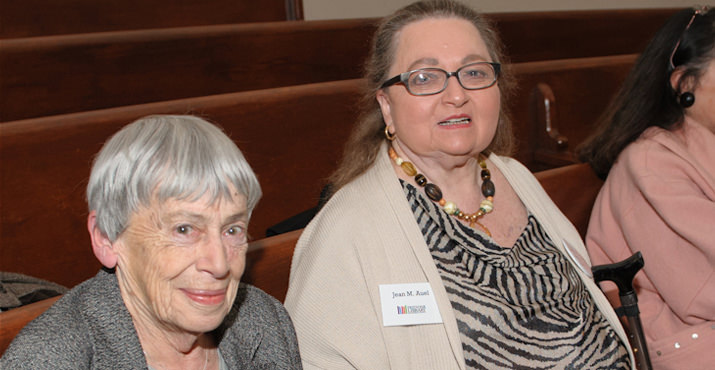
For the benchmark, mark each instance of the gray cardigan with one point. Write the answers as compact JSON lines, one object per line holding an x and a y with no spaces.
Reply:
{"x":90,"y":328}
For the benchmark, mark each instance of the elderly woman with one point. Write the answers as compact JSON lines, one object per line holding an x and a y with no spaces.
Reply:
{"x":656,"y":144}
{"x":169,"y":198}
{"x":436,"y":252}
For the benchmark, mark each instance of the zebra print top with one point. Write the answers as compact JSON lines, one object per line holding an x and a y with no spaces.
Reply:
{"x":517,"y":308}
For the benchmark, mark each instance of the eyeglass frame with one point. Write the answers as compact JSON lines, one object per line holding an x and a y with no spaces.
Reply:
{"x":404,"y":78}
{"x":696,"y":12}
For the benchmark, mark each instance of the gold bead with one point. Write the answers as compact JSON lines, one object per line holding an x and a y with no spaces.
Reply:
{"x":409,"y":168}
{"x":450,"y":208}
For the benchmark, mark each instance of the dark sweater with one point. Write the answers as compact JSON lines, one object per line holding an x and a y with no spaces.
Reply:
{"x":90,"y":328}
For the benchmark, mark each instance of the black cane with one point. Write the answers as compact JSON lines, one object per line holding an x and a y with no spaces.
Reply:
{"x":622,"y":273}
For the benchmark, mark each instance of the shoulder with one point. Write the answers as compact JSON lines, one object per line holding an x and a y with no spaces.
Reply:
{"x":511,"y":168}
{"x":657,"y":154}
{"x":89,"y":324}
{"x":254,"y":303}
{"x":60,"y":336}
{"x":258,"y":332}
{"x":354,"y":209}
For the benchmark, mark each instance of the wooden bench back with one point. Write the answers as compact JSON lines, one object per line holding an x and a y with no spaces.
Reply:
{"x":558,"y":104}
{"x":72,"y":73}
{"x":57,"y":75}
{"x":292,"y":137}
{"x":34,"y":18}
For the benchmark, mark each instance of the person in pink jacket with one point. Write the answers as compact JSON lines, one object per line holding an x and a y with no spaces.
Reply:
{"x":656,"y":145}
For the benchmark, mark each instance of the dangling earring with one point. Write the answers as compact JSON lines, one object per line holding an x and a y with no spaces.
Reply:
{"x":687,"y":99}
{"x":388,"y":135}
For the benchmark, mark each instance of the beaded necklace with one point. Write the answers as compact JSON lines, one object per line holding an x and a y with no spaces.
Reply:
{"x":434,"y":193}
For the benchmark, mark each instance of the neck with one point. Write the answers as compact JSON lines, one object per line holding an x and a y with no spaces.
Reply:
{"x":197,"y":357}
{"x":458,"y":177}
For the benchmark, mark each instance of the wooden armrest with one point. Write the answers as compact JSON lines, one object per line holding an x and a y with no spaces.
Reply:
{"x":12,"y":321}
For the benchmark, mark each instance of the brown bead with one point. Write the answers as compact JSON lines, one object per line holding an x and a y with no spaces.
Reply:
{"x":420,"y":179}
{"x":433,"y":192}
{"x":486,"y":175}
{"x":488,"y":188}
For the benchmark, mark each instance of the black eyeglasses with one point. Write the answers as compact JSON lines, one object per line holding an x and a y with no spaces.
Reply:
{"x":430,"y":81}
{"x":701,"y":10}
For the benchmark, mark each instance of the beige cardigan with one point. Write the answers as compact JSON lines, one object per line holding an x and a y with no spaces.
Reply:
{"x":366,"y":235}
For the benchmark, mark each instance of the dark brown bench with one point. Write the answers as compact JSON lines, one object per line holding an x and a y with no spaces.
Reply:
{"x":45,"y":76}
{"x":573,"y":188}
{"x":78,"y":72}
{"x":292,"y":137}
{"x":34,"y":18}
{"x":558,"y":103}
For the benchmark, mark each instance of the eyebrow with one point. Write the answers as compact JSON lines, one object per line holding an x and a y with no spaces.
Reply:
{"x":197,"y":217}
{"x":240,"y":216}
{"x":433,"y":61}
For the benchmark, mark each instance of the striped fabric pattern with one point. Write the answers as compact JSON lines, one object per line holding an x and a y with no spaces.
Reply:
{"x":522,"y":307}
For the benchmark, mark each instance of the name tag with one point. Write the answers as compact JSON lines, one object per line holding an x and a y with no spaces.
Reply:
{"x":408,"y":304}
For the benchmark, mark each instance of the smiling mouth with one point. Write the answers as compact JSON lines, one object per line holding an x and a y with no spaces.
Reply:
{"x":456,"y":121}
{"x":205,"y":297}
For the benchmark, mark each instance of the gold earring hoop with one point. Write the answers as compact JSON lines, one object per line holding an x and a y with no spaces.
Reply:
{"x":388,"y":135}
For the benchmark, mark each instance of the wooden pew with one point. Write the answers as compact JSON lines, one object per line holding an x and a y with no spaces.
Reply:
{"x":573,"y":188}
{"x":291,"y":136}
{"x":12,"y":321}
{"x":72,"y":73}
{"x":44,"y":76}
{"x":558,"y":103}
{"x":34,"y":18}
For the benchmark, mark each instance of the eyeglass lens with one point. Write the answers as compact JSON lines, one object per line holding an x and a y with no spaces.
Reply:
{"x":433,"y":80}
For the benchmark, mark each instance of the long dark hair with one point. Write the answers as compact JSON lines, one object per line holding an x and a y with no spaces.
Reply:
{"x":647,"y":98}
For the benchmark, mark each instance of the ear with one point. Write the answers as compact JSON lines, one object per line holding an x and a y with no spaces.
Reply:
{"x":102,"y":247}
{"x":675,"y":77}
{"x":384,"y":102}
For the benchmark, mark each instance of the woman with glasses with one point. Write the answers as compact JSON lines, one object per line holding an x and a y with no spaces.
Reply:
{"x":656,"y":145}
{"x":436,"y":251}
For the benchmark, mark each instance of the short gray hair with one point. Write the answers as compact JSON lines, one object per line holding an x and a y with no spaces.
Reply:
{"x":161,"y":157}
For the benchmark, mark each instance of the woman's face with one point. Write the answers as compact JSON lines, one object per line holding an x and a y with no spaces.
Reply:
{"x":455,"y":122}
{"x":180,"y":263}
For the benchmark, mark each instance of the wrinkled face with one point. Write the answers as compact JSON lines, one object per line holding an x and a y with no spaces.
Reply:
{"x":455,"y":122}
{"x":703,"y":111}
{"x":180,"y":262}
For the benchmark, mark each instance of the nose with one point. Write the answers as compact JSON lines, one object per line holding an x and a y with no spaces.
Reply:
{"x":454,"y":93}
{"x":213,"y":257}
